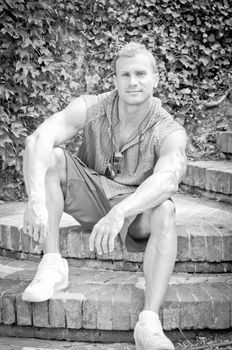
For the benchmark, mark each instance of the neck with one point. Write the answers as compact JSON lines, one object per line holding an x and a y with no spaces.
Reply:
{"x":133,"y":114}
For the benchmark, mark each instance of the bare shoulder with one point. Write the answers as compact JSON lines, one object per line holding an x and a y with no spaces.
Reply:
{"x":64,"y":124}
{"x":75,"y":111}
{"x":172,"y":155}
{"x":176,"y":140}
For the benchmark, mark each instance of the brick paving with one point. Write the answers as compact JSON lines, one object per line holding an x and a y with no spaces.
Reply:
{"x":7,"y":343}
{"x":213,"y":176}
{"x":111,"y":300}
{"x":203,"y":227}
{"x":102,"y":305}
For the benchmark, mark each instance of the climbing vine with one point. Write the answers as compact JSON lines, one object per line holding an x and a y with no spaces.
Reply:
{"x":52,"y":51}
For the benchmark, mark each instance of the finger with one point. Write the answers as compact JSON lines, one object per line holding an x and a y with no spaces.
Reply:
{"x":111,"y":243}
{"x":92,"y":239}
{"x":105,"y":243}
{"x":24,"y":226}
{"x":36,"y":233}
{"x":98,"y":241}
{"x":30,"y":230}
{"x":42,"y":235}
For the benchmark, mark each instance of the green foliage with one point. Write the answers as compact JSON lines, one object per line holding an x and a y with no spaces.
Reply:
{"x":52,"y":51}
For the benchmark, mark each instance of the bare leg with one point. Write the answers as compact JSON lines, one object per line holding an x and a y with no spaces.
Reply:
{"x":52,"y":272}
{"x":55,"y":191}
{"x":160,"y":255}
{"x":158,"y":265}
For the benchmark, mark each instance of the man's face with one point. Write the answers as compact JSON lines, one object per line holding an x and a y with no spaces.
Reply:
{"x":135,"y":78}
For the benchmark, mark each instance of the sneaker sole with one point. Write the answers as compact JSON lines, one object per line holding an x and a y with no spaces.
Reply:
{"x":60,"y":287}
{"x":37,"y":298}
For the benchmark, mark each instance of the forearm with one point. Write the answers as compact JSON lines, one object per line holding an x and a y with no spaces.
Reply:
{"x":161,"y":185}
{"x":151,"y":193}
{"x":38,"y":157}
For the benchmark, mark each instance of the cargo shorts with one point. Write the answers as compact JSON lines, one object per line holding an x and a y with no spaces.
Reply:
{"x":86,"y":201}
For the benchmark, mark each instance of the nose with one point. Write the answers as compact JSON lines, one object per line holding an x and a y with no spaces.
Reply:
{"x":133,"y":80}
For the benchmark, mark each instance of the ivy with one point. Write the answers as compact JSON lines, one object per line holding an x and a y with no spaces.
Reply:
{"x":52,"y":51}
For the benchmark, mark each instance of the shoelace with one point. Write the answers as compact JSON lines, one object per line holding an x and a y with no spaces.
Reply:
{"x":47,"y":272}
{"x":153,"y":327}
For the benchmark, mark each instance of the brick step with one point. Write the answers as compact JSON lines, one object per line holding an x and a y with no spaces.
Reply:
{"x":212,"y":179}
{"x":203,"y":228}
{"x":111,"y":301}
{"x":224,"y":141}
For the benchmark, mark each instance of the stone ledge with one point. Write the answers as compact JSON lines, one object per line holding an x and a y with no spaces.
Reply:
{"x":215,"y":176}
{"x":111,"y":300}
{"x":224,"y":141}
{"x":203,"y":228}
{"x":202,"y":193}
{"x":120,"y":265}
{"x":88,"y":335}
{"x":196,"y":242}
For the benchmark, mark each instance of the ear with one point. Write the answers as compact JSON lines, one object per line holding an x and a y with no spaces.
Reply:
{"x":155,"y":80}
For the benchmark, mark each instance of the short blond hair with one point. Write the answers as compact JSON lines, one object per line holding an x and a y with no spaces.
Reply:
{"x":133,"y":48}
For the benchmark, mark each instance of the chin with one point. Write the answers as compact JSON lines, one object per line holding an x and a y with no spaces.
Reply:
{"x":136,"y":101}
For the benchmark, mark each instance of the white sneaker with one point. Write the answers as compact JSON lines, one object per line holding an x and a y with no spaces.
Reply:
{"x":51,"y":277}
{"x":149,"y":334}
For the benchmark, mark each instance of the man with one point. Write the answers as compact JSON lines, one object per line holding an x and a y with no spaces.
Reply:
{"x":130,"y":162}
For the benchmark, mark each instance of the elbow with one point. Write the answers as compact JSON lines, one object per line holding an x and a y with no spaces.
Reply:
{"x":172,"y":185}
{"x":169,"y":183}
{"x":183,"y":167}
{"x":180,"y":167}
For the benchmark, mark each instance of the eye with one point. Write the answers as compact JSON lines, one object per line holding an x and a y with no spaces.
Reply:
{"x":125,"y":74}
{"x":141,"y":73}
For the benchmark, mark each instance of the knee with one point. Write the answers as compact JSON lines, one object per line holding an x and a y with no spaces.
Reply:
{"x":164,"y":214}
{"x":58,"y":156}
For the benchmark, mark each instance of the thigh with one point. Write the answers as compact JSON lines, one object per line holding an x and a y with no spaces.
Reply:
{"x":140,"y":228}
{"x":139,"y":224}
{"x":85,"y":198}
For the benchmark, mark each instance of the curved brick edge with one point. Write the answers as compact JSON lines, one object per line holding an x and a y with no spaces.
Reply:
{"x":73,"y":335}
{"x":115,"y":307}
{"x":101,"y":336}
{"x":181,"y":267}
{"x":111,"y":300}
{"x":224,"y":141}
{"x":199,"y":192}
{"x":89,"y":335}
{"x":214,"y":176}
{"x":196,"y":243}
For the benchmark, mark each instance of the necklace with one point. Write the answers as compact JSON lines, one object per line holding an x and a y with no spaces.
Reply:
{"x":113,"y":167}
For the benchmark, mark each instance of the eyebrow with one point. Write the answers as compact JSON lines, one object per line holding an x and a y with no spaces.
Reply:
{"x":136,"y":71}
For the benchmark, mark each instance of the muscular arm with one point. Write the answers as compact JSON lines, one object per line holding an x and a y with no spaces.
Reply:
{"x":38,"y":157}
{"x":163,"y":183}
{"x":39,"y":146}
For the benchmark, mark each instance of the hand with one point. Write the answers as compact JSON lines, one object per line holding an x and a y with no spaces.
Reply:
{"x":35,"y":222}
{"x":105,"y":231}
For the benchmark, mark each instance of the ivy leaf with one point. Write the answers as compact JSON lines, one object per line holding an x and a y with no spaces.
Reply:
{"x":4,"y":138}
{"x":204,"y":60}
{"x":54,"y":51}
{"x":186,"y":91}
{"x":211,"y":38}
